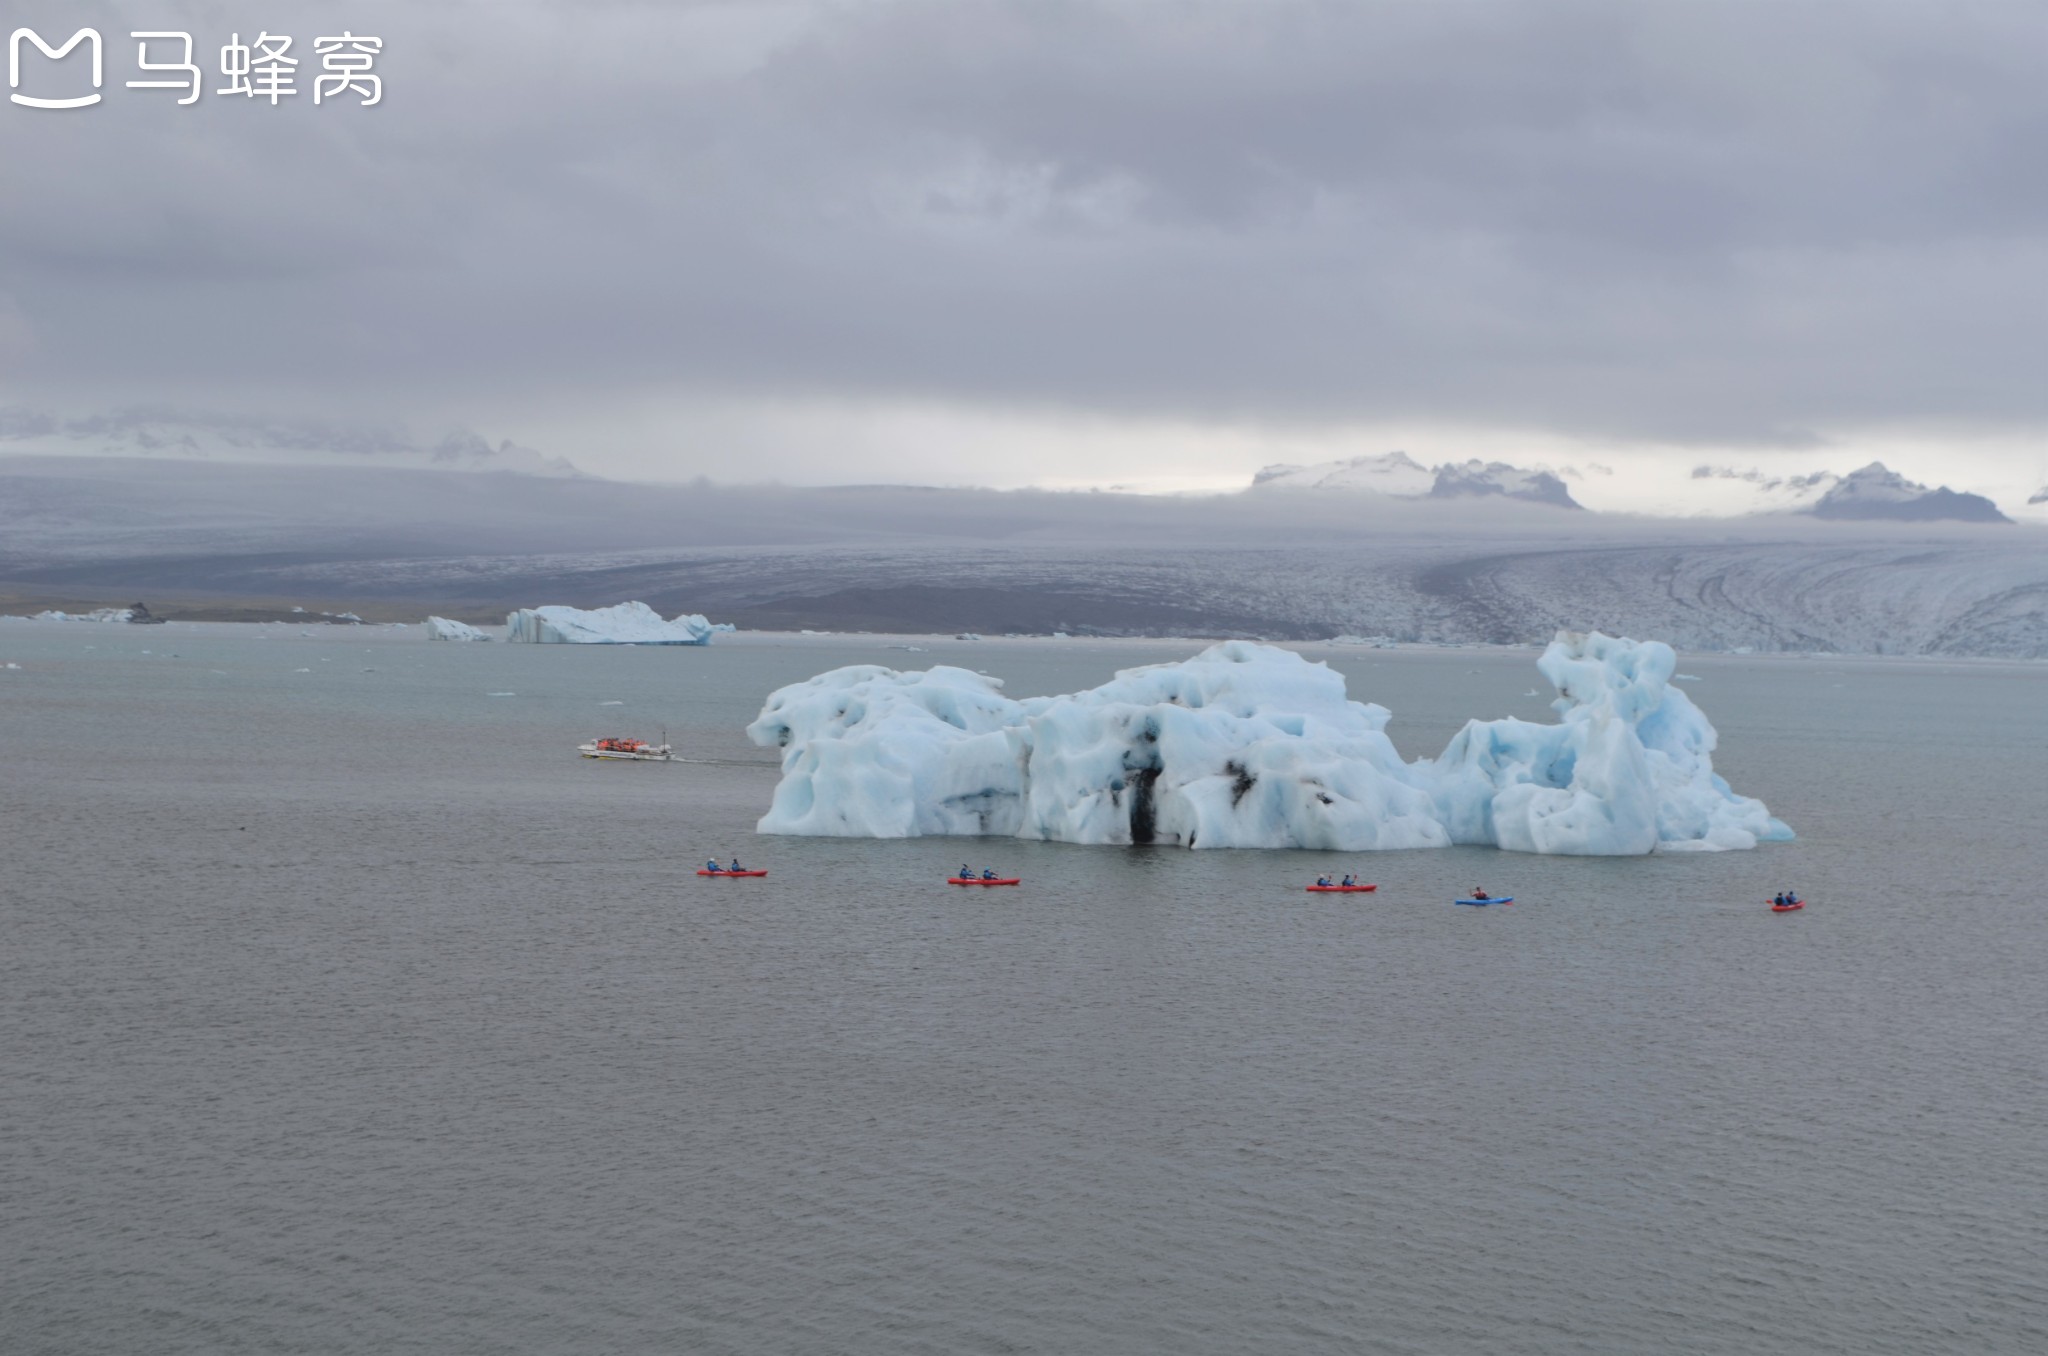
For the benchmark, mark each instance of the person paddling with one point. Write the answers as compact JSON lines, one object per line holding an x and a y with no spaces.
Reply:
{"x":1350,"y":879}
{"x":735,"y":864}
{"x":1323,"y":882}
{"x":987,"y":874}
{"x":1481,"y":894}
{"x":714,"y":868}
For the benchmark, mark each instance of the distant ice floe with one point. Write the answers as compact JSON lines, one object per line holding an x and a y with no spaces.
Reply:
{"x":99,"y":614}
{"x":1246,"y":745}
{"x":440,"y":628}
{"x":623,"y":624}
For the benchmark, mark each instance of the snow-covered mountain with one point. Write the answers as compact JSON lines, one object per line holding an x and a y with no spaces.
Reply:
{"x":1394,"y":473}
{"x":1400,"y":476}
{"x":1874,"y":492}
{"x":183,"y":436}
{"x":1498,"y":478}
{"x":1877,"y":492}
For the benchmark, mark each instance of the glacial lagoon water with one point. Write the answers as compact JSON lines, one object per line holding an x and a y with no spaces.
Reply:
{"x":344,"y":1009}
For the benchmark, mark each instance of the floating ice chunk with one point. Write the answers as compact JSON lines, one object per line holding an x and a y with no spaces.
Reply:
{"x":1242,"y":746}
{"x":872,"y":753}
{"x":1246,"y":745}
{"x":440,"y":628}
{"x":624,"y":624}
{"x":1628,"y":770}
{"x":99,"y":614}
{"x":611,"y":703}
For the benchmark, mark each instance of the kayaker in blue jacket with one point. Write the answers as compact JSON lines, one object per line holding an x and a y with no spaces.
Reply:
{"x":987,"y":874}
{"x":735,"y":864}
{"x":1323,"y":882}
{"x":714,"y":866}
{"x":1350,"y":880}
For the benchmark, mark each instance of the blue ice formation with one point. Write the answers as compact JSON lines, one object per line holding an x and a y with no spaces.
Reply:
{"x":623,"y":624}
{"x":441,"y":628}
{"x":1247,"y":746}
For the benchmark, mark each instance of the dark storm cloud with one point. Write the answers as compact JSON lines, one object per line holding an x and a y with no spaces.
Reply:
{"x":1658,"y":221}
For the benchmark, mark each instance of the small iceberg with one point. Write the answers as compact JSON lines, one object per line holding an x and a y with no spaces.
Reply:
{"x":100,"y":614}
{"x":441,"y":628}
{"x":623,"y":624}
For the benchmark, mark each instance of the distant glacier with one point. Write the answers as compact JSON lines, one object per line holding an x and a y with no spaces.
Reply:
{"x":1277,"y":566}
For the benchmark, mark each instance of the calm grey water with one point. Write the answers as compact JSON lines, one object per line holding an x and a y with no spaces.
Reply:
{"x":346,"y":1010}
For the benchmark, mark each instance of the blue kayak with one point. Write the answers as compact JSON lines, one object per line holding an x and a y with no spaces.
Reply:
{"x":1482,"y":903}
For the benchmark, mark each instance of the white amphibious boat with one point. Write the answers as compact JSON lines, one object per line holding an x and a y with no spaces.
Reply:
{"x":637,"y":750}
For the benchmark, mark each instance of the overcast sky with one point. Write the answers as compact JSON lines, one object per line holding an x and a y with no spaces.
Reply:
{"x":1067,"y":243}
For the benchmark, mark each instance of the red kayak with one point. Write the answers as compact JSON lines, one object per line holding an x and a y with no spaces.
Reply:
{"x":732,"y":873}
{"x":976,"y":880}
{"x":1339,"y":889}
{"x":1794,"y":907}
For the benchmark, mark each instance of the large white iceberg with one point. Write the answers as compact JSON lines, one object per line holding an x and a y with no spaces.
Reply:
{"x":1246,"y":745}
{"x":623,"y":624}
{"x":441,"y":628}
